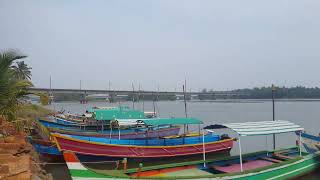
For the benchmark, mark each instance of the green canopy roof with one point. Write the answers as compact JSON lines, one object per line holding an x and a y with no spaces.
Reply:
{"x":121,"y":112}
{"x":169,"y":121}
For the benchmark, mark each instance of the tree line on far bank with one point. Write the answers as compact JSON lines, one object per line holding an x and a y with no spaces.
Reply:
{"x":298,"y":92}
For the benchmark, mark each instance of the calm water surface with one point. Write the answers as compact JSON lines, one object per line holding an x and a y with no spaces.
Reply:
{"x":304,"y":113}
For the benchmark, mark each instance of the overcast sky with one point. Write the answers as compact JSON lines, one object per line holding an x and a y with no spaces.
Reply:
{"x":214,"y":44}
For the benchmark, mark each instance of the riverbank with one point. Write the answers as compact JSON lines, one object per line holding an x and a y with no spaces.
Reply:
{"x":18,"y":158}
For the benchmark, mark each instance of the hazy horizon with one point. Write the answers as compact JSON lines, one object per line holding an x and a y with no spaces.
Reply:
{"x":216,"y":45}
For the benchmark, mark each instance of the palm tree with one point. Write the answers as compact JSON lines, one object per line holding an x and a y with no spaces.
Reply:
{"x":22,"y":71}
{"x":11,"y":87}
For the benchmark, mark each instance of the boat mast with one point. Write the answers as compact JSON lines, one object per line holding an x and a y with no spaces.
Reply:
{"x":154,"y":105}
{"x":184,"y":87}
{"x":273,"y":89}
{"x":142,"y":102}
{"x":138,"y":98}
{"x":132,"y":96}
{"x":184,"y":98}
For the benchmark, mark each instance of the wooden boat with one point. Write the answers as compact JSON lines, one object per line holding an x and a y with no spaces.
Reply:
{"x":127,"y":129}
{"x":310,"y":142}
{"x":258,"y":165}
{"x":44,"y":147}
{"x":99,"y":118}
{"x":69,"y":126}
{"x":133,"y":133}
{"x":280,"y":164}
{"x":152,"y":148}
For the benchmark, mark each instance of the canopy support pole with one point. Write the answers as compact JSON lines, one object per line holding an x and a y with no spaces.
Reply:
{"x":110,"y":137}
{"x":119,"y":133}
{"x":300,"y":144}
{"x":184,"y":133}
{"x":241,"y":168}
{"x":204,"y":150}
{"x":102,"y":127}
{"x":267,"y":145}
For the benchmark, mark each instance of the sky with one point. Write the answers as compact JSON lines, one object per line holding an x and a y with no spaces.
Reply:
{"x":220,"y":45}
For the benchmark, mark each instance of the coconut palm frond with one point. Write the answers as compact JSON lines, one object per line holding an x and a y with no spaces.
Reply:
{"x":14,"y":81}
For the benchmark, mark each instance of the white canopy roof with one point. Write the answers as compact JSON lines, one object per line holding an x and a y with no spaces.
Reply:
{"x":127,"y":122}
{"x":263,"y":127}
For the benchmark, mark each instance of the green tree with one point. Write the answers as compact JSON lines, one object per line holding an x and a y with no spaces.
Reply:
{"x":12,"y":89}
{"x":21,"y":70}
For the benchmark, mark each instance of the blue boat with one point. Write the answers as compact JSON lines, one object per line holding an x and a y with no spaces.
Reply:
{"x":45,"y":148}
{"x":310,"y":142}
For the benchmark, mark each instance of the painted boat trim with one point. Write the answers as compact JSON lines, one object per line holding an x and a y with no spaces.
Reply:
{"x":151,"y":147}
{"x":245,"y":175}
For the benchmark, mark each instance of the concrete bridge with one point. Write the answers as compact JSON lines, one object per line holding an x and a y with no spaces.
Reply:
{"x":125,"y":93}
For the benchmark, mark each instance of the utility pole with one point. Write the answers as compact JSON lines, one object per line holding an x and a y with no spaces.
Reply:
{"x":50,"y":83}
{"x":50,"y":93}
{"x":153,"y":103}
{"x":133,"y":96}
{"x":184,"y":88}
{"x":109,"y":93}
{"x":273,"y":88}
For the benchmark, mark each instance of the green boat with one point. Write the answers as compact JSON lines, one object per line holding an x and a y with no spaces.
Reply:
{"x":279,"y":164}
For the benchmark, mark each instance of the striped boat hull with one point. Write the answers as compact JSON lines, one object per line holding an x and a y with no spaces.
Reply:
{"x":286,"y":171}
{"x":130,"y":151}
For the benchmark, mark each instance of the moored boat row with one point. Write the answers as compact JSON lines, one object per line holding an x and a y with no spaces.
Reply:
{"x":279,"y":164}
{"x":155,"y":148}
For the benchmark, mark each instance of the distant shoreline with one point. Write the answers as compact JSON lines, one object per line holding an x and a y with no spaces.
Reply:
{"x":221,"y":101}
{"x":255,"y":100}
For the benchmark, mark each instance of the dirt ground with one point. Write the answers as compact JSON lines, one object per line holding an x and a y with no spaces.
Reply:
{"x":18,"y":159}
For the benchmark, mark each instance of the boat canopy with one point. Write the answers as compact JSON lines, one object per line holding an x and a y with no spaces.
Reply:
{"x":260,"y":128}
{"x":125,"y":122}
{"x":121,"y":112}
{"x":169,"y":121}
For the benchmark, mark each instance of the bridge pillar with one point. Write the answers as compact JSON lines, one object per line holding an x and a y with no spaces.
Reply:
{"x":83,"y":99}
{"x":50,"y":98}
{"x":112,"y":97}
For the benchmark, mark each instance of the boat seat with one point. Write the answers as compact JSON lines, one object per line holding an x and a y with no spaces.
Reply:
{"x":271,"y":159}
{"x":170,"y":137}
{"x":193,"y":135}
{"x":282,"y":151}
{"x":281,"y":156}
{"x":246,"y":166}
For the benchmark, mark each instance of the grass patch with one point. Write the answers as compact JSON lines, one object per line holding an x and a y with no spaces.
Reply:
{"x":32,"y":111}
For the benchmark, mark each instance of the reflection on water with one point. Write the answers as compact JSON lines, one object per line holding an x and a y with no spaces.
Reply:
{"x":303,"y":113}
{"x":58,"y":171}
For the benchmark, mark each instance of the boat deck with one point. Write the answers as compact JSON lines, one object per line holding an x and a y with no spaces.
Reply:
{"x":258,"y":161}
{"x":246,"y":166}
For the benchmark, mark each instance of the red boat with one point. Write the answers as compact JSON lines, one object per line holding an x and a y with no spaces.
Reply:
{"x":79,"y":146}
{"x":148,"y":148}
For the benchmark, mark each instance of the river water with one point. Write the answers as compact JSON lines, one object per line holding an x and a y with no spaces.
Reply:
{"x":304,"y":113}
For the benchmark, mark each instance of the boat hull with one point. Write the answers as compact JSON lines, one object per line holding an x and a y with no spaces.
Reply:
{"x":310,"y":142}
{"x":51,"y":124}
{"x":287,"y":170}
{"x":132,"y":134}
{"x":130,"y":151}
